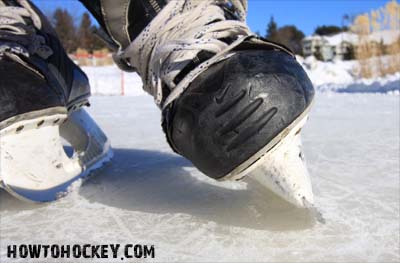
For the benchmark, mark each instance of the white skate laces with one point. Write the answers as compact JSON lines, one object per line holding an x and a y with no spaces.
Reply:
{"x":176,"y":36}
{"x":17,"y":35}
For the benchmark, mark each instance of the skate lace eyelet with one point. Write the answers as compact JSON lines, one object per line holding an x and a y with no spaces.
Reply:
{"x":20,"y":128}
{"x":40,"y":123}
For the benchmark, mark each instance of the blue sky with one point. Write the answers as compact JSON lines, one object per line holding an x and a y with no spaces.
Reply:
{"x":305,"y":14}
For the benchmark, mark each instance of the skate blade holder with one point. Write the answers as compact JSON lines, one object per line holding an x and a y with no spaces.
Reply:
{"x":34,"y":165}
{"x":280,"y":167}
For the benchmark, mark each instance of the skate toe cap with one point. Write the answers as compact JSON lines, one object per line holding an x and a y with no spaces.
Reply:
{"x":237,"y":107}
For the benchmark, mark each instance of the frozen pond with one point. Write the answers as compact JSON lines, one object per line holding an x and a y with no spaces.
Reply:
{"x":150,"y":195}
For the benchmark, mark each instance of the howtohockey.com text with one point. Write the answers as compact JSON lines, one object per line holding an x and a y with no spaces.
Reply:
{"x":110,"y":251}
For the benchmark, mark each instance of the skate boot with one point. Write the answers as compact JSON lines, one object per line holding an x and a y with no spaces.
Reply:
{"x":42,"y":93}
{"x":233,"y":103}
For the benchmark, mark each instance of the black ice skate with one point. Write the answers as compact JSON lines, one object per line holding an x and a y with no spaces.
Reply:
{"x":233,"y":103}
{"x":41,"y":97}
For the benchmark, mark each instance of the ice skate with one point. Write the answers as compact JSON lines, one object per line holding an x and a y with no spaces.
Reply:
{"x":42,"y":95}
{"x":233,"y":103}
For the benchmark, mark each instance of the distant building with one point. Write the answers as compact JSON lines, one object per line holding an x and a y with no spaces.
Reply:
{"x":311,"y":44}
{"x":335,"y":47}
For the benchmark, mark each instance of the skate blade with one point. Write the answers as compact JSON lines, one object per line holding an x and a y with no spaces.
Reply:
{"x":280,"y":167}
{"x":34,"y":165}
{"x":283,"y":170}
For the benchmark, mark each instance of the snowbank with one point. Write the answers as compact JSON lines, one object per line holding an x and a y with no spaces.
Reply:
{"x":110,"y":80}
{"x":389,"y":84}
{"x":320,"y":73}
{"x":337,"y":76}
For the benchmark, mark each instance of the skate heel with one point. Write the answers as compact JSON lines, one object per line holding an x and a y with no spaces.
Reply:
{"x":34,"y":165}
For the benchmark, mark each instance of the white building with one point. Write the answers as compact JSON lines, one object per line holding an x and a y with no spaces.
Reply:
{"x":311,"y":44}
{"x":331,"y":47}
{"x":334,"y":47}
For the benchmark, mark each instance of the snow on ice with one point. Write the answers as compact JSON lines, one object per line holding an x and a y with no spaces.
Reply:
{"x":150,"y":195}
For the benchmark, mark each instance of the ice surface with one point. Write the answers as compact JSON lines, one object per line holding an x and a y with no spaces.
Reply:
{"x":151,"y":195}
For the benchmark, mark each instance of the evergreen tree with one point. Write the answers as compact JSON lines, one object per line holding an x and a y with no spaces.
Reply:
{"x":329,"y":30}
{"x":272,"y":30}
{"x":97,"y":42}
{"x":291,"y":36}
{"x":85,"y":36}
{"x":64,"y":26}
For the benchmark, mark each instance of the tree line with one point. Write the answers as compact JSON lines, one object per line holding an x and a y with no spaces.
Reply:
{"x":292,"y":37}
{"x":80,"y":35}
{"x":73,"y":36}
